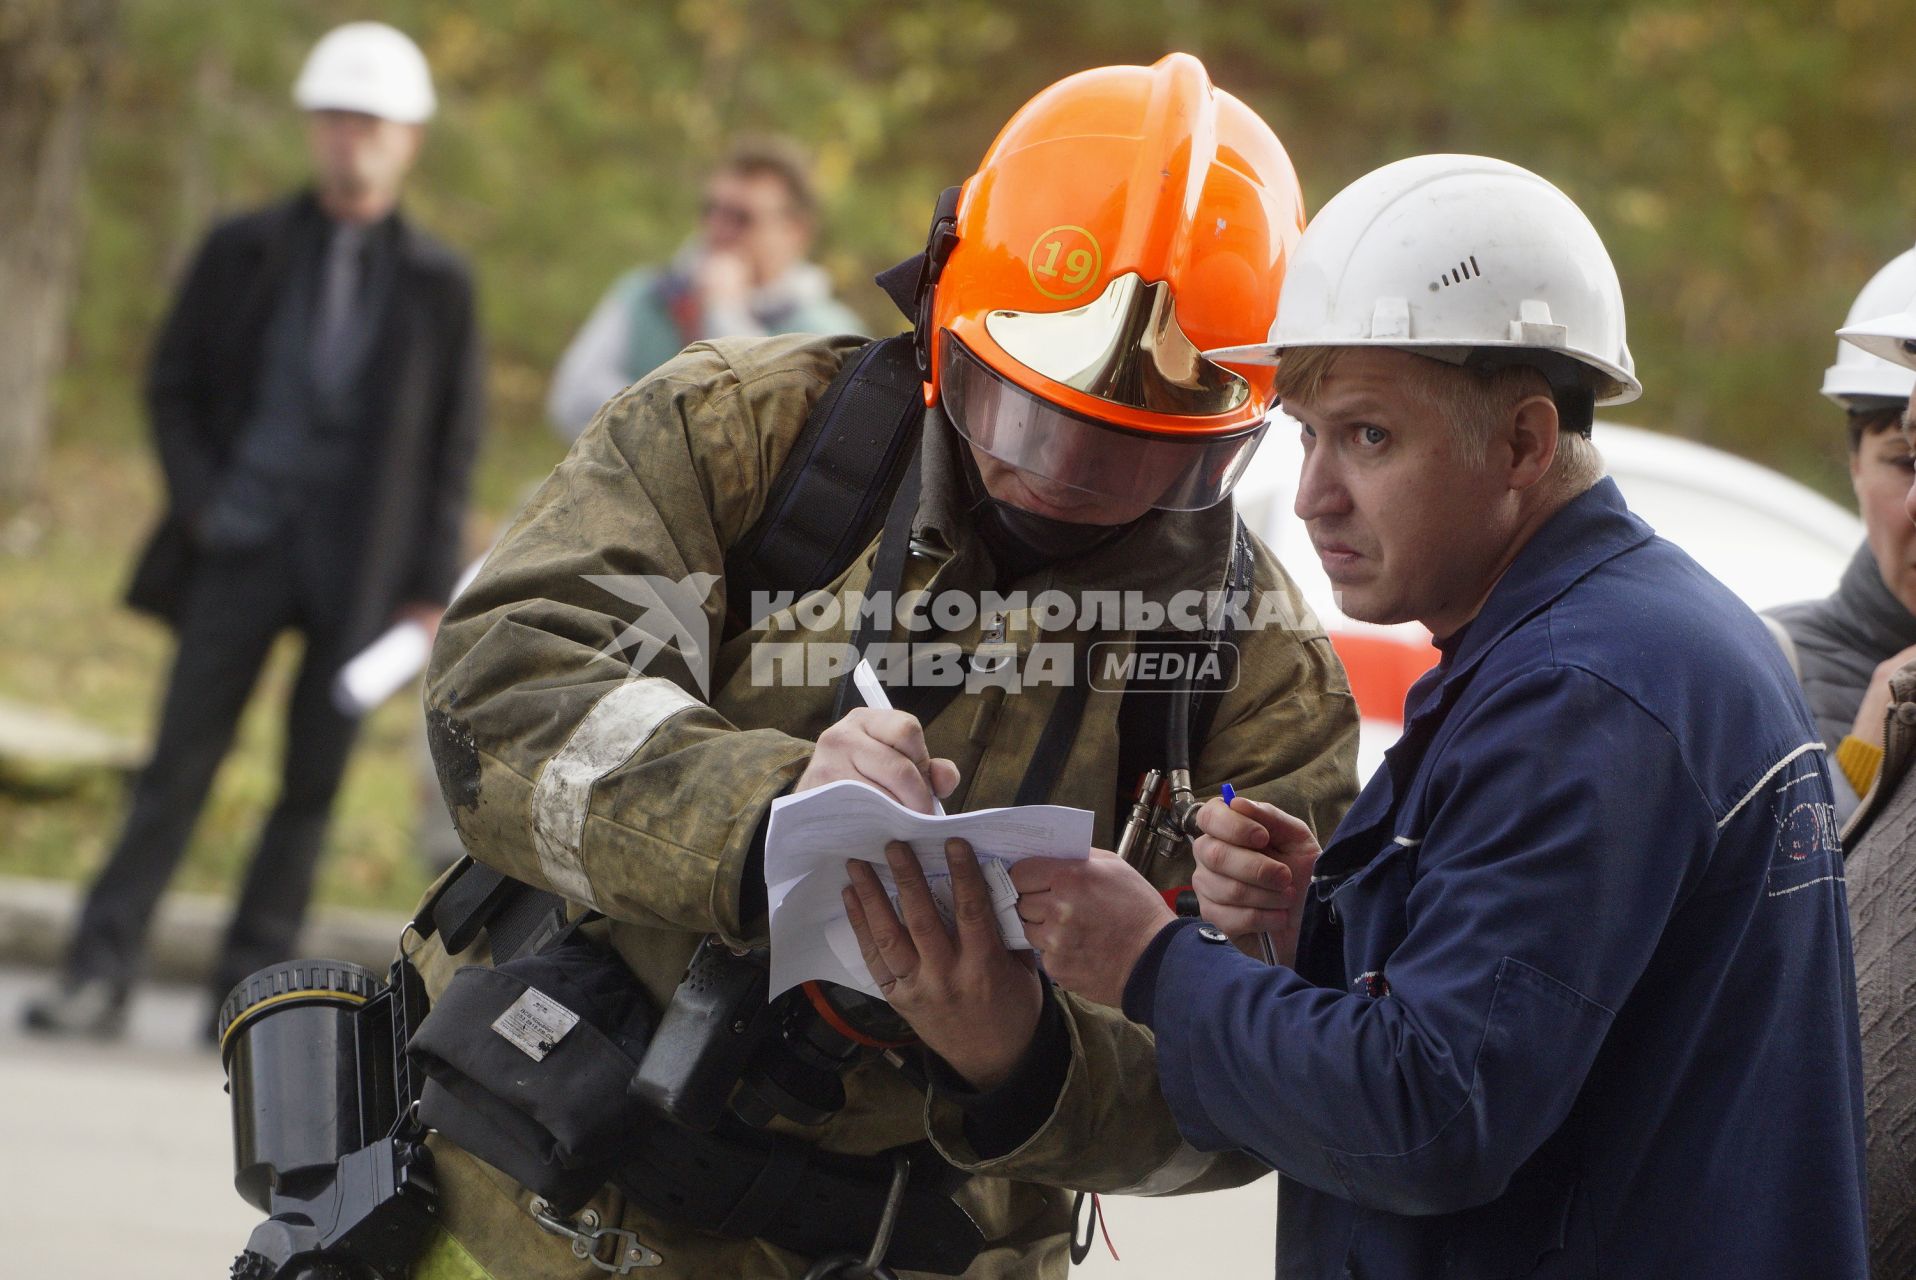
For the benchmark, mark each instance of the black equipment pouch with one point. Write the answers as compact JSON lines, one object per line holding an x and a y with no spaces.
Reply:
{"x":755,"y":1184}
{"x":527,"y":1065}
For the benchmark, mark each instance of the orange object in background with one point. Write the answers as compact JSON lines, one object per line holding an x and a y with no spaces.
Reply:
{"x":1382,"y":668}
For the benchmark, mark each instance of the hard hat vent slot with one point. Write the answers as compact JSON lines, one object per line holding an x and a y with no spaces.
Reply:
{"x":1465,"y":270}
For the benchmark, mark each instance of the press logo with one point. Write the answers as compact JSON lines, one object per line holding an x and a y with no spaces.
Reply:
{"x":1163,"y":668}
{"x":954,"y":638}
{"x":671,"y":612}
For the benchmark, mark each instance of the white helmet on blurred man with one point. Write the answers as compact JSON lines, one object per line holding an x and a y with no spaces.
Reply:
{"x":367,"y":67}
{"x":1892,"y":336}
{"x":1862,"y":378}
{"x":1461,"y":258}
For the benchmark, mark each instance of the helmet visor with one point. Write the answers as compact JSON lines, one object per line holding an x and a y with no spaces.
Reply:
{"x":1125,"y":346}
{"x":1168,"y":472}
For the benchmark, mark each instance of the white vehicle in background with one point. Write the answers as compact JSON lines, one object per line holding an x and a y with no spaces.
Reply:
{"x":1770,"y":539}
{"x":1767,"y":537}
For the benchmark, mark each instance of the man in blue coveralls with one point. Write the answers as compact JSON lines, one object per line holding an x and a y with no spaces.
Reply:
{"x":1570,"y":992}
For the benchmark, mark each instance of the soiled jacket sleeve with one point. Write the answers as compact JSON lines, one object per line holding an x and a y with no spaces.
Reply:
{"x":1286,"y":735}
{"x":564,"y":696}
{"x":1539,"y":895}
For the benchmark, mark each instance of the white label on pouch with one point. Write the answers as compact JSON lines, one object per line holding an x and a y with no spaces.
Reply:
{"x":535,"y":1023}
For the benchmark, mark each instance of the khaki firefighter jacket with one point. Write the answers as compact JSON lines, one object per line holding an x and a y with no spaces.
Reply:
{"x":632,"y":777}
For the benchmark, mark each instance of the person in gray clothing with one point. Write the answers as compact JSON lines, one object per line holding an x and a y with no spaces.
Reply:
{"x":1846,"y":647}
{"x":744,"y":274}
{"x":1881,"y":875}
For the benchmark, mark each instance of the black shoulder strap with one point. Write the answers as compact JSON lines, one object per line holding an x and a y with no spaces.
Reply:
{"x":1143,"y":715}
{"x":1237,"y":586}
{"x":516,"y":916}
{"x":835,"y":487}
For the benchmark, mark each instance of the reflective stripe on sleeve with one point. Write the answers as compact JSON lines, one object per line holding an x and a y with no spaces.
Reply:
{"x":616,"y":729}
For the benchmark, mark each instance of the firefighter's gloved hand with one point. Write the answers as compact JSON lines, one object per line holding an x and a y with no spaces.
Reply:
{"x":886,"y":749}
{"x":1253,"y":864}
{"x":1091,"y":920}
{"x":972,"y":1002}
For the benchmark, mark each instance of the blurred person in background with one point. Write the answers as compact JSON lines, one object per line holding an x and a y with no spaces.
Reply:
{"x":315,"y":397}
{"x":1846,"y":647}
{"x":743,"y":275}
{"x":1881,"y":874}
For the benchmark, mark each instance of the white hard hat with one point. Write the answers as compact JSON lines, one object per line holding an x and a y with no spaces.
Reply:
{"x":1453,"y":256}
{"x":367,"y":67}
{"x":1861,"y":374}
{"x":1889,"y":334}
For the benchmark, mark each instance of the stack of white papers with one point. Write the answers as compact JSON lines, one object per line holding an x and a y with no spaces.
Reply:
{"x":813,"y":834}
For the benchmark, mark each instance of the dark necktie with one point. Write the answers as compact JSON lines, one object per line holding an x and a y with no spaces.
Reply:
{"x":332,"y":341}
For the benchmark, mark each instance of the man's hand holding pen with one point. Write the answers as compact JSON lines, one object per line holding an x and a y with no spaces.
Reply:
{"x":1254,"y":863}
{"x":886,"y":749}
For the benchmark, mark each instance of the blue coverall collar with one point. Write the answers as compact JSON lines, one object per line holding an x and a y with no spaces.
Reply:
{"x":1593,"y":527}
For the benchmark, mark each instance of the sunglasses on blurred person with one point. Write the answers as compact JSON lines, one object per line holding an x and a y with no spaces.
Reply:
{"x":737,"y":217}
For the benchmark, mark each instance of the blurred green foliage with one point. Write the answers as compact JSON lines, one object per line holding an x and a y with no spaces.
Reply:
{"x":1747,"y":164}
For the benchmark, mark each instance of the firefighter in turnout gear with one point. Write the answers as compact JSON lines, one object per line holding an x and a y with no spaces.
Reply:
{"x":613,"y":712}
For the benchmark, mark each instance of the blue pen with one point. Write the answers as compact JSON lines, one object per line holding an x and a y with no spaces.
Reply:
{"x":1269,"y":948}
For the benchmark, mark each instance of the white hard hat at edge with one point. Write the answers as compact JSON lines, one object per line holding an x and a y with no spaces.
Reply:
{"x":1456,"y":257}
{"x":1862,"y":378}
{"x":1892,"y":336}
{"x":370,"y":68}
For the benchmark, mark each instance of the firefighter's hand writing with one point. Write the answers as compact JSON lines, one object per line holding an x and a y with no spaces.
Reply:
{"x":1090,"y":920}
{"x":973,"y":1003}
{"x":886,"y":749}
{"x":1253,"y":864}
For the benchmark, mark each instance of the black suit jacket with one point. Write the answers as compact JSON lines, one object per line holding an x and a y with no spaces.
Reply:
{"x":423,"y":392}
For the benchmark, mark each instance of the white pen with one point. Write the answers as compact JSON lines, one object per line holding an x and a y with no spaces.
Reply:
{"x":865,"y":680}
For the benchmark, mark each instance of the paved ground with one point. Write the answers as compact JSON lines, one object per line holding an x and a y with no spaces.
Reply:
{"x":116,"y":1162}
{"x":1221,"y":1235}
